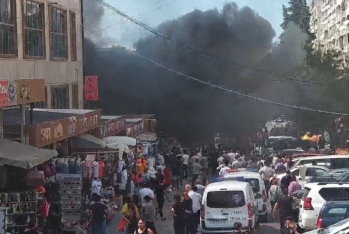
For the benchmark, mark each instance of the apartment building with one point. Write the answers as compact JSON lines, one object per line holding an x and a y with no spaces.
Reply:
{"x":41,"y":39}
{"x":330,"y":23}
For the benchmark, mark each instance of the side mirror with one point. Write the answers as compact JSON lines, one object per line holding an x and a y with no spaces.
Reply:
{"x":258,"y":196}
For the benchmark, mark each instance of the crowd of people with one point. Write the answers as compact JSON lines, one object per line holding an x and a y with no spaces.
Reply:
{"x":142,"y":187}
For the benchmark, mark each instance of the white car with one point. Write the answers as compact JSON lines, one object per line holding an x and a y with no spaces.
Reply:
{"x":332,"y":162}
{"x":313,"y":199}
{"x":258,"y":187}
{"x":303,"y":174}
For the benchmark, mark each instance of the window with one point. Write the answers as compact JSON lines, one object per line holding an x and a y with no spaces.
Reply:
{"x":8,"y":34}
{"x":336,"y":193}
{"x":73,"y":36}
{"x":75,"y":95}
{"x":295,"y":172}
{"x":34,"y":29}
{"x":58,"y":33}
{"x":336,"y":212}
{"x":225,"y":199}
{"x":42,"y":104}
{"x":60,"y":97}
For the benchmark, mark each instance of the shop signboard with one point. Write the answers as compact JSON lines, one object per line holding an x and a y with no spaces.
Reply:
{"x":110,"y":128}
{"x":29,"y":91}
{"x":22,"y":91}
{"x":54,"y":131}
{"x":91,"y":88}
{"x":135,"y":128}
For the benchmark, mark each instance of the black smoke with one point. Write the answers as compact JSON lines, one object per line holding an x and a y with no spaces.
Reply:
{"x":235,"y":39}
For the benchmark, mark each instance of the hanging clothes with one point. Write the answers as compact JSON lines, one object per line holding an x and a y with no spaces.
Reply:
{"x":78,"y":168}
{"x":145,"y":149}
{"x":65,"y":166}
{"x":95,"y":166}
{"x":72,"y":167}
{"x":100,"y":169}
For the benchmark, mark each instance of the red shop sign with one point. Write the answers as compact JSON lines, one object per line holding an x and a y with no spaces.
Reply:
{"x":91,"y":88}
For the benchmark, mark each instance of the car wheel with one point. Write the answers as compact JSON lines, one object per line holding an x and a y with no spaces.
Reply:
{"x":263,"y":218}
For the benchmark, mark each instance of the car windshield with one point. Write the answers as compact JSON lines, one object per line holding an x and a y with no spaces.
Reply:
{"x":225,"y":199}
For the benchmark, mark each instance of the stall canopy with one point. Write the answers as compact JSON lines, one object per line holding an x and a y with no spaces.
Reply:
{"x":147,"y":136}
{"x":120,"y":139}
{"x":87,"y":141}
{"x":24,"y":156}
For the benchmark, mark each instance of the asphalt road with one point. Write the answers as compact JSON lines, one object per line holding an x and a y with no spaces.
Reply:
{"x":272,"y":227}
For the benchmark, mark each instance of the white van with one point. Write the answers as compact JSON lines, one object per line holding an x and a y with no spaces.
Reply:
{"x":258,"y":188}
{"x":226,"y":203}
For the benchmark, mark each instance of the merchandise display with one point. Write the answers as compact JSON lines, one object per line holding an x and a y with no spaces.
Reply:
{"x":21,"y":209}
{"x":70,"y":190}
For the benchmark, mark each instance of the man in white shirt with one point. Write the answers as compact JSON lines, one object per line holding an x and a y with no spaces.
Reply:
{"x":96,"y":186}
{"x":224,"y":169}
{"x":146,"y":191}
{"x":185,"y":163}
{"x":266,"y":173}
{"x":196,"y":198}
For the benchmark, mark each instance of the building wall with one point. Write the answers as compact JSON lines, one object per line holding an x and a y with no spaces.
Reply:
{"x":330,"y":23}
{"x":55,"y":71}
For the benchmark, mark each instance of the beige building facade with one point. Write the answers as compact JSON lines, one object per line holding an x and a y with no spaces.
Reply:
{"x":330,"y":23}
{"x":41,"y":39}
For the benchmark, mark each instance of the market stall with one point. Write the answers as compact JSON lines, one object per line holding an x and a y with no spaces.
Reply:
{"x":20,"y":181}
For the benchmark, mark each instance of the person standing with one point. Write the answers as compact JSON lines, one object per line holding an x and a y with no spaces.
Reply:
{"x":224,"y":169}
{"x":274,"y":193}
{"x":145,"y":191}
{"x":196,"y":170}
{"x":149,"y":214}
{"x":185,"y":164}
{"x":142,"y":228}
{"x":202,"y":177}
{"x":266,"y":173}
{"x":286,"y":180}
{"x":204,"y":164}
{"x":99,"y":212}
{"x":283,"y":208}
{"x":294,"y":185}
{"x":160,"y":194}
{"x":188,"y":212}
{"x":177,"y":213}
{"x":238,"y":163}
{"x":196,"y":199}
{"x":96,"y":186}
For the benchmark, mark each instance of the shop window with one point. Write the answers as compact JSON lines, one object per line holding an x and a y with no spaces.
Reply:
{"x":8,"y":34}
{"x":72,"y":36}
{"x":60,"y":97}
{"x":34,"y":29}
{"x":42,"y":104}
{"x":58,"y":33}
{"x":75,"y":96}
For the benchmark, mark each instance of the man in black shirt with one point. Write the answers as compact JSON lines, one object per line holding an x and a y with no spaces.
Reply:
{"x":160,"y":193}
{"x":98,"y":211}
{"x":291,"y":227}
{"x":283,"y":208}
{"x":286,"y":180}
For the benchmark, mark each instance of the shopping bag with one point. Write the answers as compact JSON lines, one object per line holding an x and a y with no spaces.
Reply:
{"x":122,"y":224}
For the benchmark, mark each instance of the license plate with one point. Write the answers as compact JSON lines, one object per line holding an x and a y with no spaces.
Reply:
{"x":219,"y":221}
{"x":238,"y":219}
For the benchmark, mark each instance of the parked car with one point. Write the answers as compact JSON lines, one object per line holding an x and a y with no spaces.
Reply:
{"x":314,"y":198}
{"x":337,"y":228}
{"x":332,"y":212}
{"x":325,"y":177}
{"x":303,"y":174}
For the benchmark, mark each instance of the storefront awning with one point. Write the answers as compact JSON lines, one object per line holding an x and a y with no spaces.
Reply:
{"x":87,"y":141}
{"x":24,"y":156}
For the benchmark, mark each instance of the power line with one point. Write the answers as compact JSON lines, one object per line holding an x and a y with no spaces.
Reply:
{"x":216,"y":86}
{"x":168,"y":38}
{"x":123,"y":20}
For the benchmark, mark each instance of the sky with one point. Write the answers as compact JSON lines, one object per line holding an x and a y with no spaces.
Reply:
{"x":126,"y":33}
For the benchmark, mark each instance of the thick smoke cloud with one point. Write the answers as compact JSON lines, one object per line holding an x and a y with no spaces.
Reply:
{"x":184,"y":108}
